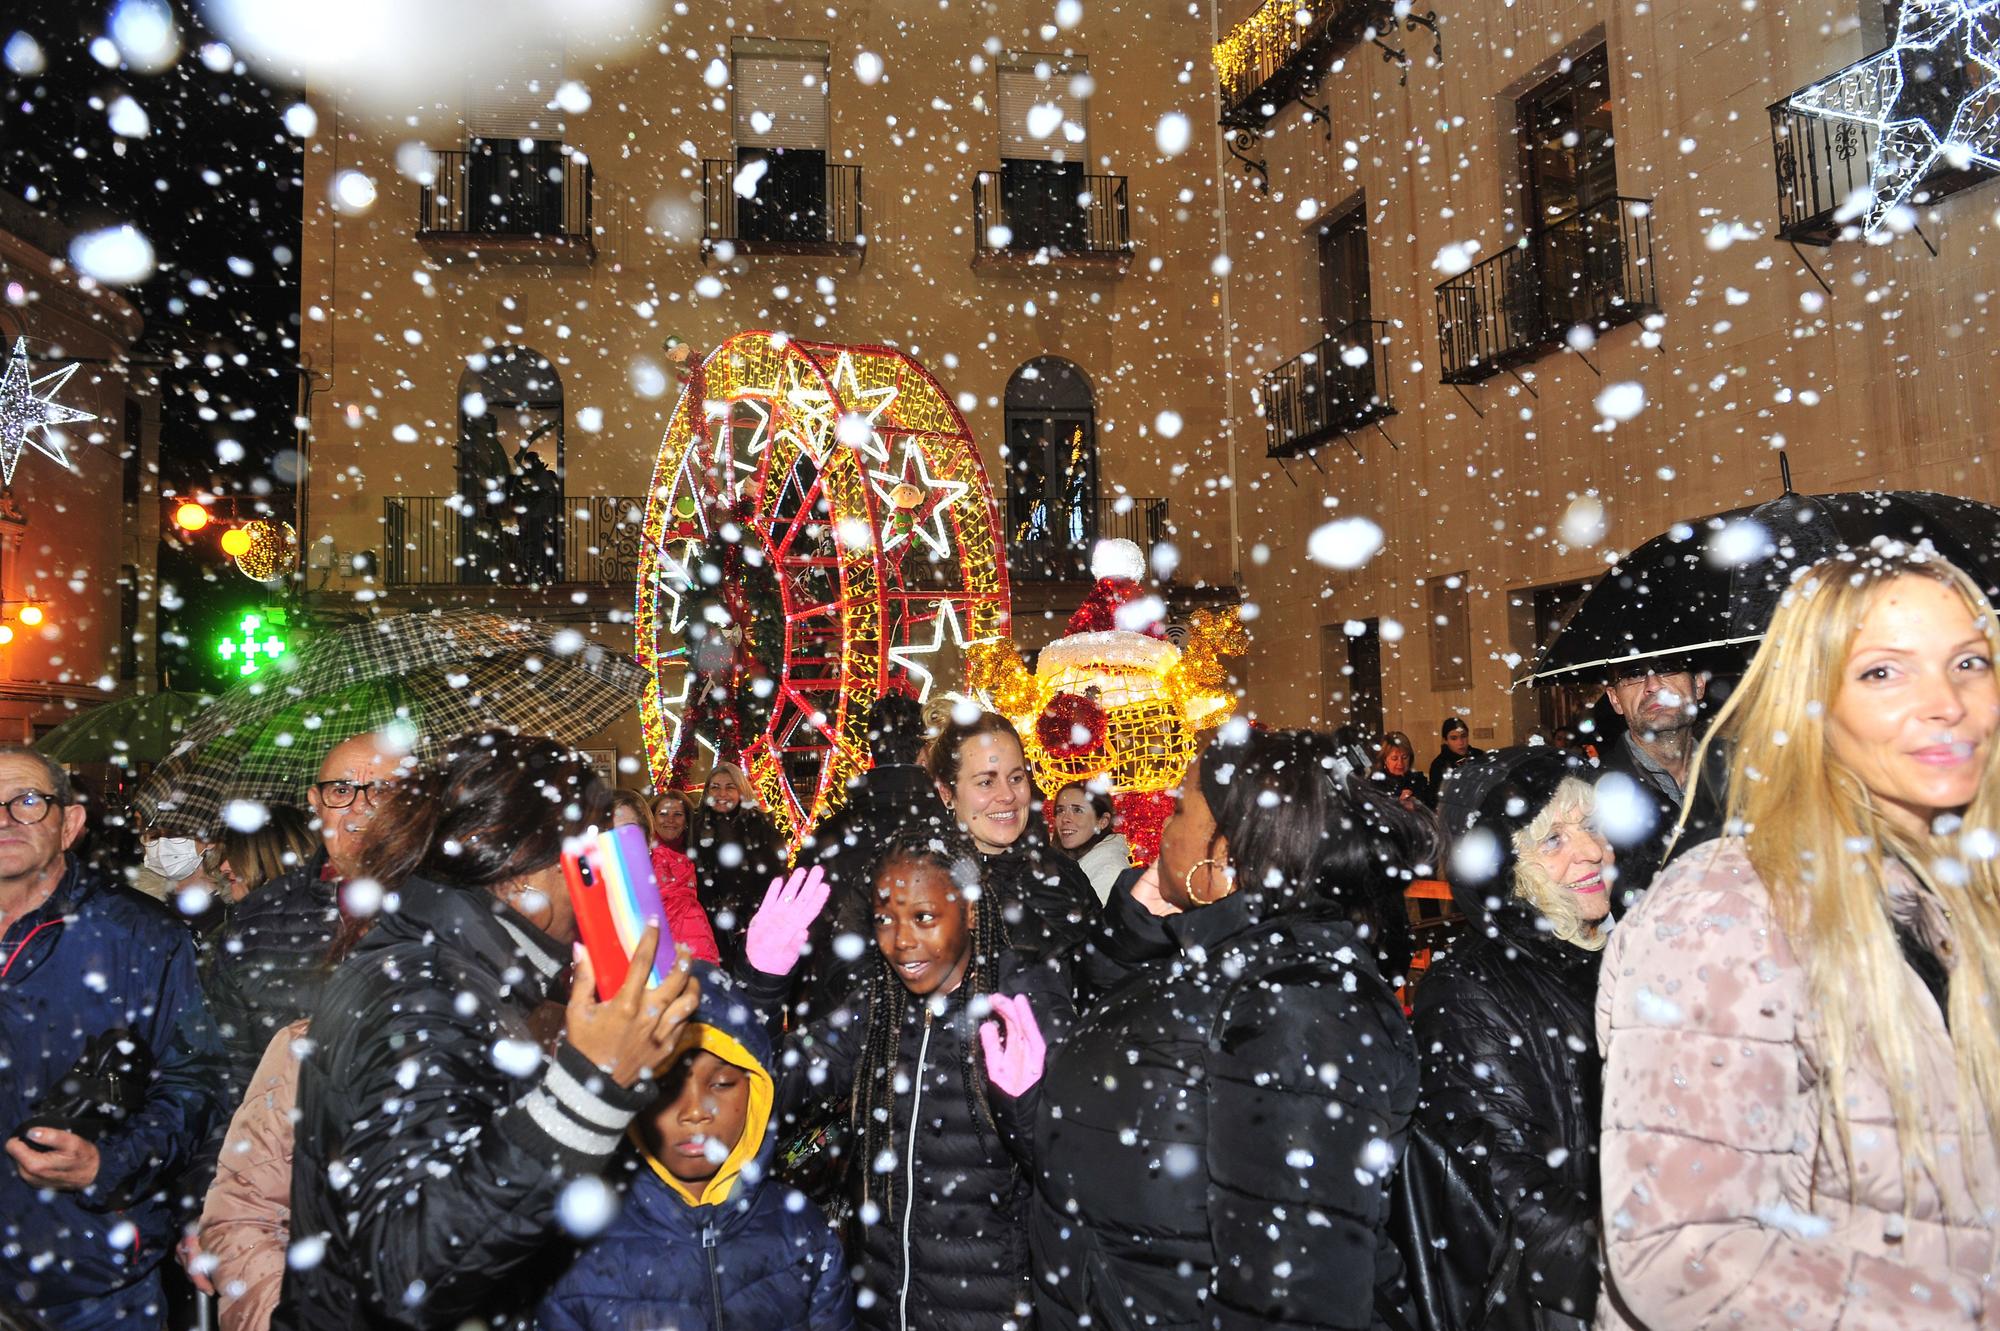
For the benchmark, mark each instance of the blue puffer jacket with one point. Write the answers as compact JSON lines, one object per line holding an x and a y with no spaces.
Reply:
{"x":95,"y":958}
{"x":746,"y":1255}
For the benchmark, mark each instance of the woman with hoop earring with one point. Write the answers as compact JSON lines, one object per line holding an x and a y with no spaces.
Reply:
{"x":1216,"y":1136}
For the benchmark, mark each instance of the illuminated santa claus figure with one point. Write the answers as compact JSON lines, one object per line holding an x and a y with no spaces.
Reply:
{"x":1114,"y":698}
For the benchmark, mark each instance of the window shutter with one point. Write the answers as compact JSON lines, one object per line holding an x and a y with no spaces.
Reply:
{"x":511,"y":100}
{"x":780,"y":94}
{"x":1043,"y":135}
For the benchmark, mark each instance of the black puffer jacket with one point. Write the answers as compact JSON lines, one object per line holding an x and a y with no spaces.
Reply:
{"x":1511,"y":1076}
{"x":434,"y":1137}
{"x":1052,"y":911}
{"x":945,"y":1245}
{"x":735,"y":855}
{"x":1215,"y":1135}
{"x":265,"y":970}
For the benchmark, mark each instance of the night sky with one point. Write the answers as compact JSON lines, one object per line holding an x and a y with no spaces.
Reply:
{"x":214,"y":184}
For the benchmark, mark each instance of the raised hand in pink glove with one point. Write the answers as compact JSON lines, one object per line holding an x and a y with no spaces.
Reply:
{"x":778,"y":930}
{"x":1014,"y":1060}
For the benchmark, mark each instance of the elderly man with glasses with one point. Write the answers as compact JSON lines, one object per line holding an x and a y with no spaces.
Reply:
{"x":267,"y":970}
{"x":270,"y":966}
{"x":108,"y":1069}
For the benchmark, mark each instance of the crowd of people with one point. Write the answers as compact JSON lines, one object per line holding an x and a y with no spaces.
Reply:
{"x":1716,"y":1044}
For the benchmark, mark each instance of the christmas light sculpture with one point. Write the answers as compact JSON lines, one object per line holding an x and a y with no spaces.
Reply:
{"x":820,"y":531}
{"x":1114,"y":699}
{"x":1932,"y":98}
{"x":28,"y":405}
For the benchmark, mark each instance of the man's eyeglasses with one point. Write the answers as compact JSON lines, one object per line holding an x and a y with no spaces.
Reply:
{"x":29,"y":807}
{"x":342,"y":794}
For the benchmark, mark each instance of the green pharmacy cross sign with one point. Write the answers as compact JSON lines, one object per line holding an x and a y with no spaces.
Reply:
{"x":258,"y":640}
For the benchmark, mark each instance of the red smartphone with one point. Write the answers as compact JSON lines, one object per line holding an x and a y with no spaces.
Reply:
{"x":615,"y":896}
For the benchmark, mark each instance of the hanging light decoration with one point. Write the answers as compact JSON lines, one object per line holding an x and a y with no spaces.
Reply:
{"x":271,"y":549}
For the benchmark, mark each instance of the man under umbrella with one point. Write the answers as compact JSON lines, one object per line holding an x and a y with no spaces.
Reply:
{"x":108,"y":1069}
{"x":268,"y":971}
{"x":1660,"y":700}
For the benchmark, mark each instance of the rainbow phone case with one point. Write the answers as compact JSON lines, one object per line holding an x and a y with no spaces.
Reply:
{"x":615,"y":895}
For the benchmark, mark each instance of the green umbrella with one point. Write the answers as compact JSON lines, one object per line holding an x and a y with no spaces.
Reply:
{"x":140,"y":729}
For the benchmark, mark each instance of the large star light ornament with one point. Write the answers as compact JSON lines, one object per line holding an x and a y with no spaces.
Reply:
{"x":907,"y":655}
{"x":1933,"y":98}
{"x":28,"y":406}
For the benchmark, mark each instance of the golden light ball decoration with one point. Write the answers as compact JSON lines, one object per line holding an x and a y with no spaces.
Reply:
{"x":270,"y":549}
{"x":1116,"y":703}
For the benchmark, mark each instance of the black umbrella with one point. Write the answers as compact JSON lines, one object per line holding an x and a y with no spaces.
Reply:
{"x":1711,"y":585}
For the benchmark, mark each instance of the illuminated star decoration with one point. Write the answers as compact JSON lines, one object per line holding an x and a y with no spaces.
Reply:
{"x":855,"y":426}
{"x":1932,"y":98}
{"x":927,"y":519}
{"x":906,"y":656}
{"x":24,"y":410}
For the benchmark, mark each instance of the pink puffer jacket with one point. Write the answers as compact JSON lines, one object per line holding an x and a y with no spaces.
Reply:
{"x":246,"y":1221}
{"x":1727,"y":1203}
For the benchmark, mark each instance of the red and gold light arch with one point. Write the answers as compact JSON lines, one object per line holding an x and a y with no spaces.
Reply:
{"x":843,"y":477}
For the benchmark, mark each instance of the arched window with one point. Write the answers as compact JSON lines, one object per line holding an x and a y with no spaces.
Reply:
{"x":1051,"y":459}
{"x":510,"y":467}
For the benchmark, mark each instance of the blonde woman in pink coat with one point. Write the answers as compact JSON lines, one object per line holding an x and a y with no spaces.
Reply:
{"x":1802,"y":1080}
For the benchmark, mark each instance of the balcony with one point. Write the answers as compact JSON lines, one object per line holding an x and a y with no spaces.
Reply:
{"x":1593,"y":268}
{"x":782,"y":203}
{"x":1050,"y":541}
{"x":1040,"y":214}
{"x":1336,"y":388}
{"x":493,"y":197}
{"x":442,"y":541}
{"x":1280,"y":51}
{"x":1822,"y":163}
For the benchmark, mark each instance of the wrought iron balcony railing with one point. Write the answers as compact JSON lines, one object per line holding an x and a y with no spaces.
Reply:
{"x":1281,"y":50}
{"x":1825,"y":168}
{"x":1593,"y":268}
{"x":1040,"y":211}
{"x":494,"y":190}
{"x":1336,"y":388}
{"x":445,"y":540}
{"x":1050,"y":541}
{"x":791,"y":202}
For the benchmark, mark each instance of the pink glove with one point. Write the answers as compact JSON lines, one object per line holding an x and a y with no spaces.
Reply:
{"x":1015,"y":1064}
{"x":778,"y":930}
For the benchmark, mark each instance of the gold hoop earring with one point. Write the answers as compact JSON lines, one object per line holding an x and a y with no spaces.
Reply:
{"x":1187,"y":883}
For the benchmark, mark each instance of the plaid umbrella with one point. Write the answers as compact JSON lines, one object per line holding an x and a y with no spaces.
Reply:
{"x":440,"y":674}
{"x":138,"y":729}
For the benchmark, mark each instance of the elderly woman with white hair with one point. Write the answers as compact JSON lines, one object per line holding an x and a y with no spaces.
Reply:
{"x":1511,"y":1078}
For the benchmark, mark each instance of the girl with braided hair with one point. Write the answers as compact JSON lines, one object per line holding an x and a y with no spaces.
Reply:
{"x":940,"y":1058}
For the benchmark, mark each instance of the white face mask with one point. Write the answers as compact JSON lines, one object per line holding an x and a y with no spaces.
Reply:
{"x":174,"y":857}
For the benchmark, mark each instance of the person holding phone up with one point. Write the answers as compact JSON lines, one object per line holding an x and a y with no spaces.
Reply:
{"x":436,"y":1140}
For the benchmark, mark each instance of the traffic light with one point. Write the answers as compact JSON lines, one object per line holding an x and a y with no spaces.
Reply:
{"x":236,"y":542}
{"x":190,"y":516}
{"x":258,"y":640}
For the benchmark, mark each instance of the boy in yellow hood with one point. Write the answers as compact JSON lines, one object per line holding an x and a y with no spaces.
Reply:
{"x":704,"y":1239}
